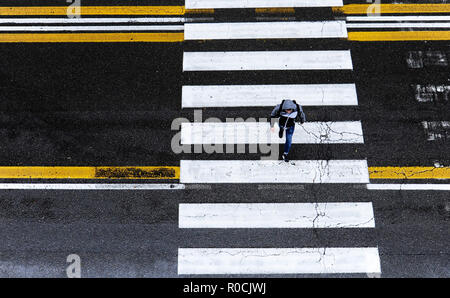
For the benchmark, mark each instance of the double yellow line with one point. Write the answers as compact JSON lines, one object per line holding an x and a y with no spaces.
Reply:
{"x":93,"y":37}
{"x":362,"y":9}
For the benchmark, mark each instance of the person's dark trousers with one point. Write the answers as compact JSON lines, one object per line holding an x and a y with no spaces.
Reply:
{"x":289,"y":134}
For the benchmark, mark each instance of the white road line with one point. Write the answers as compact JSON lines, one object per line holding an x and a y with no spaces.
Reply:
{"x":278,"y":260}
{"x":201,"y":4}
{"x":344,"y":132}
{"x":267,"y":60}
{"x":399,"y":25}
{"x":85,"y":186}
{"x":268,"y":95}
{"x":94,"y":28}
{"x":408,"y":186}
{"x":262,"y":30}
{"x":397,"y":18}
{"x":88,"y":20}
{"x":274,"y":171}
{"x":275,"y":215}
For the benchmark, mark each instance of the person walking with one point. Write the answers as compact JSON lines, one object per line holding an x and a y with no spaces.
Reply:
{"x":288,"y":112}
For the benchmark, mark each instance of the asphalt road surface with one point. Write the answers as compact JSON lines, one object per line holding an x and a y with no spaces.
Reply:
{"x":368,"y":197}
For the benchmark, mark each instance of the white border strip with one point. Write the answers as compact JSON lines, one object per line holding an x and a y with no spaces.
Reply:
{"x":274,"y":171}
{"x":93,"y":28}
{"x":205,"y":4}
{"x":267,"y":60}
{"x":278,"y":260}
{"x":268,"y":95}
{"x":408,"y":186}
{"x":341,"y":132}
{"x":263,"y":30}
{"x":84,"y":186}
{"x":276,"y":215}
{"x":399,"y":25}
{"x":88,"y":20}
{"x":397,"y":18}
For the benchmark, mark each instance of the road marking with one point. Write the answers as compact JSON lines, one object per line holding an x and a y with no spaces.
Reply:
{"x":273,"y":171}
{"x":93,"y":10}
{"x":89,"y":172}
{"x":196,"y":4}
{"x":392,"y":8}
{"x":437,"y":130}
{"x":280,"y":10}
{"x":399,"y":25}
{"x":268,"y":95}
{"x":85,"y":186}
{"x":92,"y":37}
{"x":342,"y":132}
{"x":398,"y":35}
{"x":89,"y":20}
{"x":94,"y":28}
{"x":267,"y":60}
{"x":409,"y":173}
{"x":408,"y":186}
{"x":263,"y":30}
{"x":275,"y":215}
{"x":396,"y":18}
{"x":278,"y":260}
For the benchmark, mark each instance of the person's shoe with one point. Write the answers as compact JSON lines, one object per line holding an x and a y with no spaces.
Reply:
{"x":280,"y":133}
{"x":285,"y":157}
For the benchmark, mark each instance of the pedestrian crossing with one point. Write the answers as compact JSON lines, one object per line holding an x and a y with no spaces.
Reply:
{"x":245,"y":98}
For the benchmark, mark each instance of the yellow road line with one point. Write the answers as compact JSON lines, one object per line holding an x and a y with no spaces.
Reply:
{"x":92,"y":37}
{"x":94,"y":10}
{"x":289,"y":10}
{"x":398,"y":35}
{"x":409,"y":173}
{"x":199,"y":11}
{"x":393,"y":8}
{"x":89,"y":172}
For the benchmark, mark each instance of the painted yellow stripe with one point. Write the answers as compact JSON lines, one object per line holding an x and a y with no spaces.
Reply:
{"x":90,"y":172}
{"x":409,"y":173}
{"x":94,"y":10}
{"x":199,"y":11}
{"x":92,"y":37}
{"x":393,"y":8}
{"x":289,"y":10}
{"x":398,"y":35}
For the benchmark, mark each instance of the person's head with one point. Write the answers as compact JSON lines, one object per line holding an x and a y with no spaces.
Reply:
{"x":288,"y":111}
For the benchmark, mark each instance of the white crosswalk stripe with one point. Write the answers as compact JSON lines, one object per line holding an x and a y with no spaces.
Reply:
{"x":278,"y":260}
{"x":277,"y":215}
{"x":260,"y":30}
{"x":344,"y":132}
{"x":274,"y":171}
{"x":267,"y":60}
{"x":206,"y":4}
{"x":268,"y":95}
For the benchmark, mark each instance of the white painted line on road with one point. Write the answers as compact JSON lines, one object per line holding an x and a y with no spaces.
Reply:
{"x":274,"y":171}
{"x":399,"y":25}
{"x":342,"y":132}
{"x":94,"y":28}
{"x":88,"y":20}
{"x":278,"y":260}
{"x":268,"y":95}
{"x":262,"y":30}
{"x":408,"y":186}
{"x":276,"y":215}
{"x":397,"y":18}
{"x":267,"y":60}
{"x":206,"y":4}
{"x":85,"y":186}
